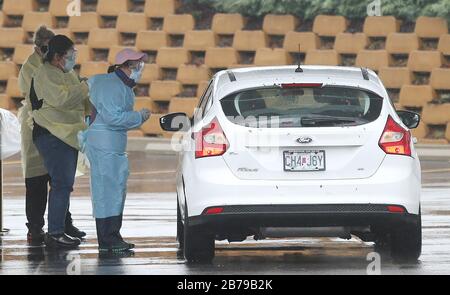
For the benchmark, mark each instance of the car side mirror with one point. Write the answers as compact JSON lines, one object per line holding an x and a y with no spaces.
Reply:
{"x":175,"y":122}
{"x":410,"y":119}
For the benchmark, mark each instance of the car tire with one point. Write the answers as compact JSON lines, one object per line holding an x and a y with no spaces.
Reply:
{"x":180,"y":228}
{"x":199,"y":246}
{"x":406,"y":242}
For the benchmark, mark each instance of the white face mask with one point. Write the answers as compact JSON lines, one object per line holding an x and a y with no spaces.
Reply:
{"x":137,"y":72}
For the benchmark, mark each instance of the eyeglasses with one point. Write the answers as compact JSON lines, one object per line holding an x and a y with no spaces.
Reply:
{"x":137,"y":65}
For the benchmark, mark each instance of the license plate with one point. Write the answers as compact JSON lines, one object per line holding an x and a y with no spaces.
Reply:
{"x":304,"y":160}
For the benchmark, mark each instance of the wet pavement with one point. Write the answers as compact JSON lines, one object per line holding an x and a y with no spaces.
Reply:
{"x":150,"y":223}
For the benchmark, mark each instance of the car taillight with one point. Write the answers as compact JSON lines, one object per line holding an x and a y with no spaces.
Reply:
{"x":396,"y":209}
{"x":210,"y":141}
{"x":395,"y":140}
{"x":213,"y":210}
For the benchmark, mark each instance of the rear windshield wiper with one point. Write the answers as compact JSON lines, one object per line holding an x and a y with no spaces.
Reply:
{"x":325,"y":120}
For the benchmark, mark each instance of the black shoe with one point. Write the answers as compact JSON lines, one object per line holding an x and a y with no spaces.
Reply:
{"x":62,"y":241}
{"x":73,"y":231}
{"x":119,"y":246}
{"x":35,"y":235}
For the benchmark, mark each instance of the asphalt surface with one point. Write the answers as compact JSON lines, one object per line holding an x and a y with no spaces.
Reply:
{"x":150,"y":223}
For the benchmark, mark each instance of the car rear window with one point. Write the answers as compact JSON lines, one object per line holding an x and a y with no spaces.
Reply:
{"x":277,"y":107}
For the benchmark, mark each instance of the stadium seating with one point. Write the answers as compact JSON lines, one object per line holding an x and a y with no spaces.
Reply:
{"x":18,"y":7}
{"x":112,"y":7}
{"x":84,"y":23}
{"x":5,"y":102}
{"x":279,"y":24}
{"x":412,"y":60}
{"x":192,"y":74}
{"x":307,"y":40}
{"x":151,"y":73}
{"x":58,"y":8}
{"x":32,"y":20}
{"x":444,"y":44}
{"x":440,"y":79}
{"x":329,"y":25}
{"x":7,"y":69}
{"x":436,"y":114}
{"x":416,"y":95}
{"x":271,"y":57}
{"x":151,"y":40}
{"x":347,"y":43}
{"x":199,"y":40}
{"x":380,"y":26}
{"x":141,"y":102}
{"x":227,"y":24}
{"x":12,"y":88}
{"x":395,"y":77}
{"x":103,"y":38}
{"x":22,"y":52}
{"x":84,"y":54}
{"x":402,"y":43}
{"x":178,"y":24}
{"x":430,"y":27}
{"x":322,"y":57}
{"x":249,"y":40}
{"x":220,"y":57}
{"x":92,"y":68}
{"x":128,"y":22}
{"x":160,"y":8}
{"x":183,"y":104}
{"x":424,"y":61}
{"x":164,"y":90}
{"x":172,"y":57}
{"x":10,"y":37}
{"x":373,"y":59}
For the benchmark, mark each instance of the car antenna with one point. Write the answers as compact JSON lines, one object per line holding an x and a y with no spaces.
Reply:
{"x":299,"y":68}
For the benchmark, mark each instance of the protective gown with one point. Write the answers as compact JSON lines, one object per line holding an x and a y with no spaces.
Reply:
{"x":105,"y":141}
{"x":32,"y":162}
{"x":64,"y":103}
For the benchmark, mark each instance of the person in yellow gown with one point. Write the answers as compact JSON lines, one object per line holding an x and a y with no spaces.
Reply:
{"x":59,"y":102}
{"x":34,"y":171}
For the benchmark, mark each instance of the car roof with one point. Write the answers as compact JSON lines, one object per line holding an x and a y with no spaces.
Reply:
{"x":232,"y":80}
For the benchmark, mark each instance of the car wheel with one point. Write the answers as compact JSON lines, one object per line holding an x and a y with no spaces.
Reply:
{"x":199,"y":246}
{"x":180,"y":228}
{"x":406,"y":242}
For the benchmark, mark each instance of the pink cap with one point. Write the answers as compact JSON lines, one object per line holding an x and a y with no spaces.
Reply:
{"x":129,"y":54}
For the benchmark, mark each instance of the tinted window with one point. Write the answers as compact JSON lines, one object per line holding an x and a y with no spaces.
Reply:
{"x":298,"y":107}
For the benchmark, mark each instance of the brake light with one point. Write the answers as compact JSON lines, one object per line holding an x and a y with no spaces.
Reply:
{"x":395,"y":140}
{"x":301,"y":85}
{"x":396,"y":209}
{"x":213,"y":210}
{"x":210,"y":141}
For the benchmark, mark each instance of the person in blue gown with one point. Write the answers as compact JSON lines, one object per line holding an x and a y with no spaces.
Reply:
{"x":105,"y":141}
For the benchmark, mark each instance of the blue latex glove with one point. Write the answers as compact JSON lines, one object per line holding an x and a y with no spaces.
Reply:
{"x":145,"y":114}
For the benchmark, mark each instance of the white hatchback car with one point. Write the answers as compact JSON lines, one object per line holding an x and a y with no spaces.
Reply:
{"x":287,"y":152}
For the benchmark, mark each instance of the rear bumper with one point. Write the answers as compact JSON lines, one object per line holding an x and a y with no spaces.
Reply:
{"x":397,"y":181}
{"x":320,"y":215}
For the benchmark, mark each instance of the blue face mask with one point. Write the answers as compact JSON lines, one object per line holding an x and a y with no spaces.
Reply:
{"x":137,"y":73}
{"x":70,"y":63}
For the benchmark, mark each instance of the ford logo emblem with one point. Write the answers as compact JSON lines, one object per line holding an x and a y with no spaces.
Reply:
{"x":304,"y":140}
